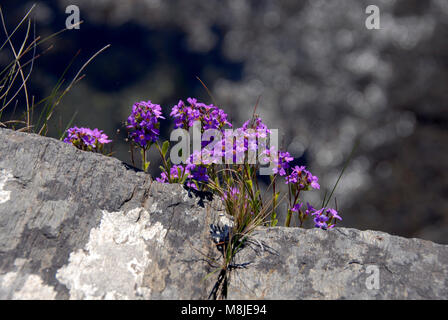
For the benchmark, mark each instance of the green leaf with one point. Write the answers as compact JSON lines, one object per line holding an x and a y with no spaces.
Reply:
{"x":179,"y":172}
{"x":165,"y":147}
{"x":274,"y":219}
{"x":184,"y":178}
{"x":249,"y":182}
{"x":146,"y":165}
{"x":276,"y":196}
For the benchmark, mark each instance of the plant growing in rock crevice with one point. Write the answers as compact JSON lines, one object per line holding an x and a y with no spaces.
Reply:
{"x":225,"y":163}
{"x":230,"y":240}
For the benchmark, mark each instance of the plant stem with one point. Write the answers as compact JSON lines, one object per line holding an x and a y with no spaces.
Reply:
{"x":144,"y":159}
{"x":288,"y":218}
{"x":132,"y":154}
{"x":273,"y":215}
{"x":164,"y":162}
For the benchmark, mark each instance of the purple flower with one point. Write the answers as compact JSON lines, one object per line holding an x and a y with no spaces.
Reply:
{"x":191,"y":184}
{"x":196,"y":167}
{"x":143,"y":123}
{"x":317,"y":212}
{"x":333,"y":213}
{"x":87,"y":139}
{"x":100,"y":136}
{"x":312,"y":180}
{"x":296,"y":207}
{"x":283,"y":163}
{"x":199,"y":173}
{"x":280,"y":160}
{"x":163,"y":178}
{"x":310,"y":210}
{"x":320,"y":220}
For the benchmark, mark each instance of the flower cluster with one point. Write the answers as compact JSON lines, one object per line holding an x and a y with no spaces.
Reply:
{"x":178,"y":174}
{"x":87,"y":139}
{"x":198,"y":169}
{"x":247,"y":139}
{"x":205,"y":156}
{"x":143,"y":123}
{"x":299,"y":180}
{"x":199,"y":173}
{"x":324,"y":218}
{"x":235,"y":180}
{"x":280,"y":160}
{"x":191,"y":174}
{"x":206,"y":170}
{"x":256,"y":124}
{"x":302,"y":178}
{"x":210,"y":116}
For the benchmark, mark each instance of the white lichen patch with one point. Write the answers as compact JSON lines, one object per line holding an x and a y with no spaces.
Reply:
{"x":224,"y":220}
{"x":185,"y":197}
{"x":154,"y":208}
{"x":114,"y":260}
{"x":33,"y":288}
{"x":4,"y":177}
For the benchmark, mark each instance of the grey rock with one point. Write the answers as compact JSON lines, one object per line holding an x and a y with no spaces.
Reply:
{"x":294,"y":263}
{"x":79,"y":225}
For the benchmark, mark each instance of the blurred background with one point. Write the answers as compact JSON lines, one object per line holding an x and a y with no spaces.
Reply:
{"x":324,"y":80}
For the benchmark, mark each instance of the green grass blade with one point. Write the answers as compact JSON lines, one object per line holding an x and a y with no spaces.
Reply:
{"x":343,"y":169}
